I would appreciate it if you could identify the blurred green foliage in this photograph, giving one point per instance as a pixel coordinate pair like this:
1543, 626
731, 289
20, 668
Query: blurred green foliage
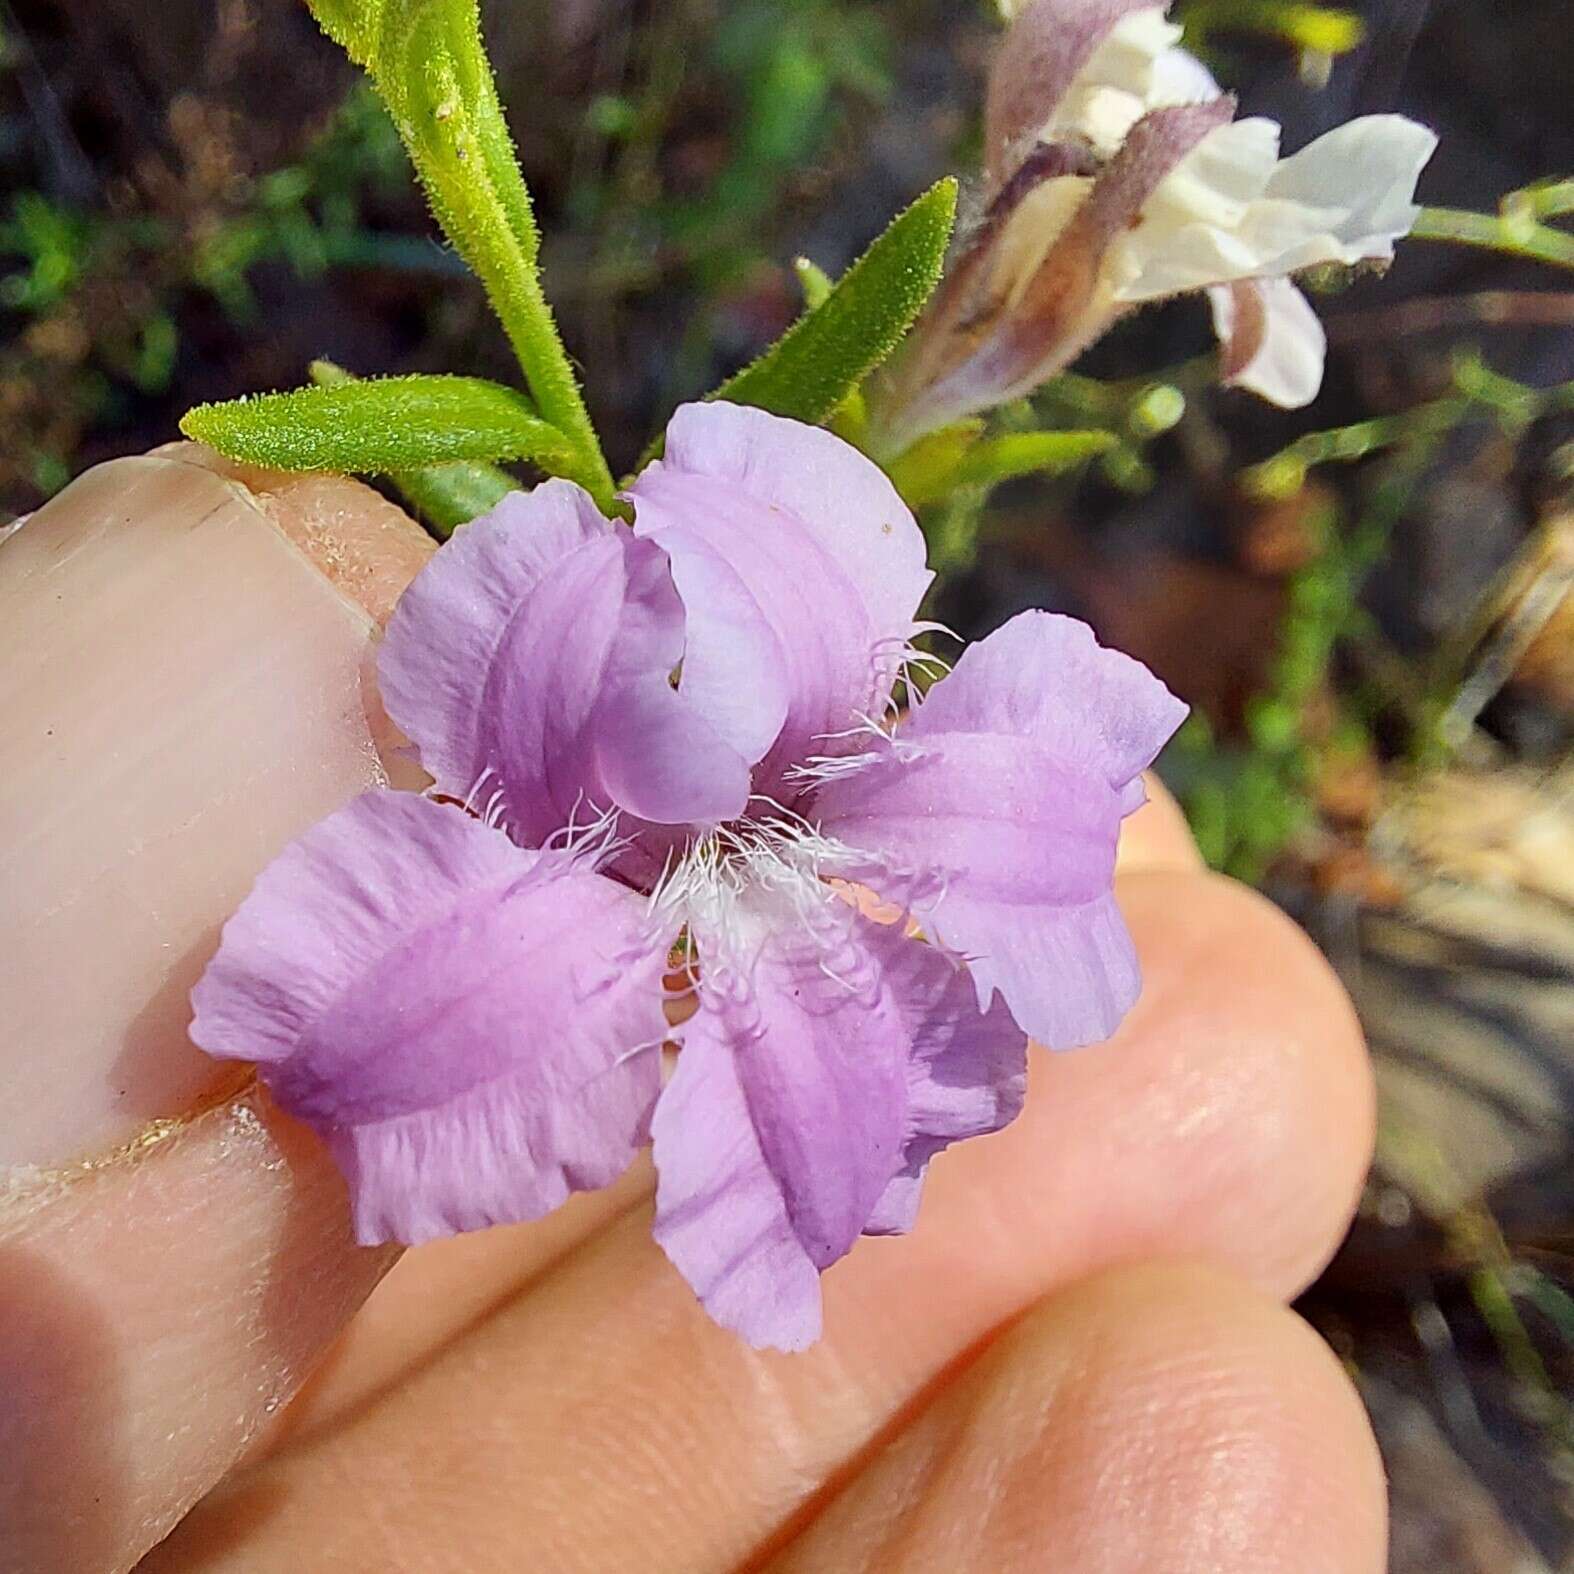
1247, 799
785, 70
96, 295
310, 215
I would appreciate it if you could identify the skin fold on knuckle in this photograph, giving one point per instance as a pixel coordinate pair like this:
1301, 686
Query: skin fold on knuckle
158, 1309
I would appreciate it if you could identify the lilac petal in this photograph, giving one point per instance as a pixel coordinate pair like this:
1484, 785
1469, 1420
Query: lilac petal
474, 1028
1003, 814
1069, 974
967, 1070
719, 1214
529, 664
787, 1116
801, 572
661, 762
1046, 677
1271, 341
1014, 851
843, 499
736, 671
1007, 790
810, 684
446, 633
897, 1210
657, 756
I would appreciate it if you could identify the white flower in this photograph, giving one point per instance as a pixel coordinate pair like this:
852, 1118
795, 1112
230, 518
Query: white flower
1232, 209
1117, 174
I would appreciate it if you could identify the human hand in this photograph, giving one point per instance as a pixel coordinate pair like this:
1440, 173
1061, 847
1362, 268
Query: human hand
1079, 1361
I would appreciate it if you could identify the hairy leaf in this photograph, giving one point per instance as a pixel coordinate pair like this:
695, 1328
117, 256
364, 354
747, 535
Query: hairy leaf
378, 426
446, 495
824, 356
450, 495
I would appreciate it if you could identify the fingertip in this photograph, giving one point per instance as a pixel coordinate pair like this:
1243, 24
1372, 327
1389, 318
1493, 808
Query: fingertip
1157, 835
366, 547
1247, 1037
186, 688
1241, 1443
1165, 1418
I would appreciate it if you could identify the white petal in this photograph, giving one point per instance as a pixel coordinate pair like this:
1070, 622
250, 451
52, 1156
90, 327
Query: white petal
1180, 78
1136, 68
1388, 151
1273, 342
1230, 210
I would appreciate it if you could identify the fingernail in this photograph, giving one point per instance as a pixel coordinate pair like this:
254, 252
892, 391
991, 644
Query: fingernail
185, 677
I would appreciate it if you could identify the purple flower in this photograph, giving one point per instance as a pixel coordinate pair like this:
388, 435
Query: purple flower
668, 738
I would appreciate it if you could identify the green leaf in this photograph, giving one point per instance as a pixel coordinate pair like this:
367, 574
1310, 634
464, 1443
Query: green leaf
824, 356
446, 495
926, 472
954, 459
379, 426
1030, 453
427, 61
450, 495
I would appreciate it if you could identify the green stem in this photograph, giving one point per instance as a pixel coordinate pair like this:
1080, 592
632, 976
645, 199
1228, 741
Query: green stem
1546, 201
1284, 473
1520, 1355
427, 61
1511, 233
1479, 389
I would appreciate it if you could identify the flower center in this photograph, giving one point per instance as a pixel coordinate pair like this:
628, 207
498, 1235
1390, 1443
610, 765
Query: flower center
735, 887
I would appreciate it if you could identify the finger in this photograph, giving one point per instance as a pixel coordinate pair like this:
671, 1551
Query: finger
1157, 836
153, 1314
438, 1292
1229, 1119
1149, 1421
184, 691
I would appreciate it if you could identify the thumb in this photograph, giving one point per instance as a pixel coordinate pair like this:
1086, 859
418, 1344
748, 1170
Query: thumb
185, 665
